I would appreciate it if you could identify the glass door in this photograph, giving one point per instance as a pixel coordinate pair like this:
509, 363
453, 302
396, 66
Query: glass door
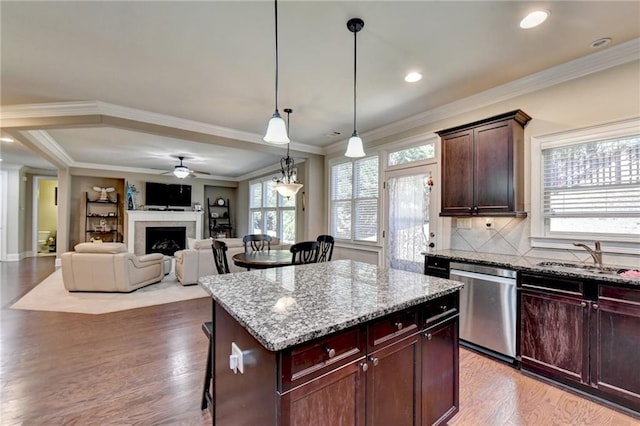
410, 225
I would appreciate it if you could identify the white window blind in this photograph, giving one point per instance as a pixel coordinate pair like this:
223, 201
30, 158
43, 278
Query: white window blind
595, 179
354, 200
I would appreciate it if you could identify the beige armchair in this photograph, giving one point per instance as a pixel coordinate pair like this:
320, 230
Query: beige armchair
108, 267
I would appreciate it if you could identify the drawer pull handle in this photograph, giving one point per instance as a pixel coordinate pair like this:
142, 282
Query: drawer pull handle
428, 336
594, 306
399, 325
583, 304
330, 352
374, 360
364, 366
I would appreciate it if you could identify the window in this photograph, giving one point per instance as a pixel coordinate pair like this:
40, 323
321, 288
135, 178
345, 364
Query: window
409, 155
270, 213
589, 183
354, 200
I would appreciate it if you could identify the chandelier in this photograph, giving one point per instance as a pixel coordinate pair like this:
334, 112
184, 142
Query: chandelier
286, 185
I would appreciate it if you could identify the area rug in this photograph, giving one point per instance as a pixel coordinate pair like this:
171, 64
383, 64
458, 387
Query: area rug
50, 295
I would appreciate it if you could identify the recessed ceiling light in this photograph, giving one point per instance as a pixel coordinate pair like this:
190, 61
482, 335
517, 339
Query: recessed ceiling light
3, 139
412, 77
534, 19
601, 42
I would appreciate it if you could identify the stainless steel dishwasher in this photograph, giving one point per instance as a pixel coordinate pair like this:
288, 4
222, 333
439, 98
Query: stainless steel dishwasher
487, 308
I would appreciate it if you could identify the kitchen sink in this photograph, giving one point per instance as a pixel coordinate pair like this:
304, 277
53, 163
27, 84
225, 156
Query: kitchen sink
580, 268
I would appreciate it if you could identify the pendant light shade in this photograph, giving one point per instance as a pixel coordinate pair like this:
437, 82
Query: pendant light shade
276, 130
354, 146
287, 185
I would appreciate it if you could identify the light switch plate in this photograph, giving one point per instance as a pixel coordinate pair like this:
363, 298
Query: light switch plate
463, 223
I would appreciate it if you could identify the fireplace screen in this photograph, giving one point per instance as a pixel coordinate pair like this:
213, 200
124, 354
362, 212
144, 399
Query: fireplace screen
165, 239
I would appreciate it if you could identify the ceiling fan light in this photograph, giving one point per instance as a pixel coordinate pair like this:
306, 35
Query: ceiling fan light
276, 131
181, 172
288, 189
354, 147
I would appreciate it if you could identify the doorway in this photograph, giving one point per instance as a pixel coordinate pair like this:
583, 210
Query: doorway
411, 225
45, 215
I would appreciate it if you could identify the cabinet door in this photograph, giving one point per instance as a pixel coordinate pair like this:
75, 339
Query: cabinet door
493, 183
457, 173
336, 398
553, 335
393, 384
614, 351
440, 378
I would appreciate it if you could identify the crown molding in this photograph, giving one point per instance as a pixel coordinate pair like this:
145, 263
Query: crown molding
81, 108
112, 168
590, 64
44, 141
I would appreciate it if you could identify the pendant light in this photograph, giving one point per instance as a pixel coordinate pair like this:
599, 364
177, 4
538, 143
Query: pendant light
354, 146
276, 130
287, 185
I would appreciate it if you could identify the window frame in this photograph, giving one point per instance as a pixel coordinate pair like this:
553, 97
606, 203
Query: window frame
540, 236
279, 209
378, 198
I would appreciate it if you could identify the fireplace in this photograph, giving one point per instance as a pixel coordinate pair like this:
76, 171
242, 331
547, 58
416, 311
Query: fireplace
165, 239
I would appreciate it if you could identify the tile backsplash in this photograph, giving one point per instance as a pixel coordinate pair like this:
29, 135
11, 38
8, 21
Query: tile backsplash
509, 235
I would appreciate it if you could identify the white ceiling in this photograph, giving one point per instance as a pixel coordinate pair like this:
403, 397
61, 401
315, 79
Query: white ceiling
212, 62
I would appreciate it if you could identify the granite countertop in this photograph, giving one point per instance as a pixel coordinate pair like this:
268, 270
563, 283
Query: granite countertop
283, 307
531, 264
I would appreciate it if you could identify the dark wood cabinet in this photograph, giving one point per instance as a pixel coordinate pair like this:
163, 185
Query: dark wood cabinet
615, 328
389, 371
440, 376
583, 334
333, 399
483, 167
436, 267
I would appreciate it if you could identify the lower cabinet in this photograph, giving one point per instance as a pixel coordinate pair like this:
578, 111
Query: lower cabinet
582, 333
407, 376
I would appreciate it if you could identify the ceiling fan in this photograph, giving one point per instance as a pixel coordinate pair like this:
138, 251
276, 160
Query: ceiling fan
181, 171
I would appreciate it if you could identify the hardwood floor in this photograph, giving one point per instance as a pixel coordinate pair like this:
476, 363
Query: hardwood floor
146, 366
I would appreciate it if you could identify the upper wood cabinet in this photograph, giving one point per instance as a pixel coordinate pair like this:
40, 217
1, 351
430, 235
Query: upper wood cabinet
482, 167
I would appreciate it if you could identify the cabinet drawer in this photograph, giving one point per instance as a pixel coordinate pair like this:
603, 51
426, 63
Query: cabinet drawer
566, 286
308, 361
437, 264
393, 327
440, 309
619, 294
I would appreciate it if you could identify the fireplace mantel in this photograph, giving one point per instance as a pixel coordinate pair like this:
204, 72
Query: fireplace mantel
145, 217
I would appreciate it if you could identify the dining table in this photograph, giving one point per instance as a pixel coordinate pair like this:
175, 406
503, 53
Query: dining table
263, 259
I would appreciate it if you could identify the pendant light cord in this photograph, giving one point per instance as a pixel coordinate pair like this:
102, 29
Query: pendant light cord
276, 15
355, 53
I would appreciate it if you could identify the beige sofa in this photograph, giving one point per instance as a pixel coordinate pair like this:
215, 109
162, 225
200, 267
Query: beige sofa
197, 260
109, 267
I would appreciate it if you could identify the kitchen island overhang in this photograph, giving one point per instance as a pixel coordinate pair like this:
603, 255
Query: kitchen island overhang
307, 331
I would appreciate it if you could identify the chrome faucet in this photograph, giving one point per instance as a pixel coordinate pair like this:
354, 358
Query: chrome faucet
595, 254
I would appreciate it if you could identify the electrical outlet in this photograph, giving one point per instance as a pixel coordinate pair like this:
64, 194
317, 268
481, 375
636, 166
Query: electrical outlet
236, 360
463, 223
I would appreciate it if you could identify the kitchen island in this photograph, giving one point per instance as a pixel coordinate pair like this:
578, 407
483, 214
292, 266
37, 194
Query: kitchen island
339, 342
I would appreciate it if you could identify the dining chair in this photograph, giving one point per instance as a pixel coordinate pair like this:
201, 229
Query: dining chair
256, 242
304, 252
220, 256
326, 248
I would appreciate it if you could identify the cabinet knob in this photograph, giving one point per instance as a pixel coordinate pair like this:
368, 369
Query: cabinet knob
583, 304
594, 306
444, 308
374, 360
330, 352
364, 366
399, 325
428, 336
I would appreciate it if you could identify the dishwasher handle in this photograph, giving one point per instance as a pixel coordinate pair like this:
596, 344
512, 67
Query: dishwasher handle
484, 277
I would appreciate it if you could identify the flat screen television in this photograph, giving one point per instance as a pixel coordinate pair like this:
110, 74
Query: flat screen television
167, 194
